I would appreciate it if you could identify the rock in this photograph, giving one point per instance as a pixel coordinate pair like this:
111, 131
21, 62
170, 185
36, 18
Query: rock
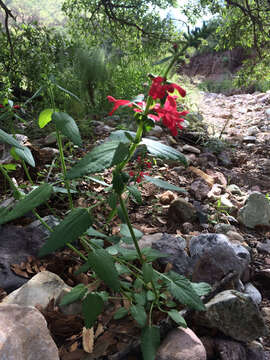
207, 159
148, 240
157, 131
230, 350
24, 335
181, 211
191, 158
226, 203
223, 228
264, 247
112, 120
224, 159
17, 243
234, 189
199, 189
48, 153
235, 315
103, 129
215, 192
233, 235
191, 149
267, 114
256, 211
181, 344
255, 351
253, 130
167, 197
50, 139
187, 227
253, 293
174, 246
214, 256
249, 139
50, 220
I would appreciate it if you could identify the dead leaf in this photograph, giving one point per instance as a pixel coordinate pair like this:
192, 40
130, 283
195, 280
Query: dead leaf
168, 267
207, 178
167, 197
88, 340
99, 330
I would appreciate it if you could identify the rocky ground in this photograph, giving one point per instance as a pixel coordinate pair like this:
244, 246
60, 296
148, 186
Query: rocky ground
218, 231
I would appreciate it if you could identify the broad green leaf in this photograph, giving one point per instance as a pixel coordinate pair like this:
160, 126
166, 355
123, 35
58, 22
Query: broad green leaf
150, 295
67, 126
201, 288
8, 139
150, 341
45, 117
120, 154
26, 155
148, 272
97, 180
74, 225
163, 60
96, 160
126, 236
10, 167
112, 200
128, 254
62, 190
140, 298
103, 265
120, 313
122, 269
68, 92
92, 232
77, 293
182, 290
174, 314
152, 254
92, 306
30, 202
104, 295
163, 184
135, 193
138, 313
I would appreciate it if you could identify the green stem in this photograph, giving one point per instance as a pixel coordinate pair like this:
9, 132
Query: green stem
174, 60
16, 192
27, 172
150, 314
64, 169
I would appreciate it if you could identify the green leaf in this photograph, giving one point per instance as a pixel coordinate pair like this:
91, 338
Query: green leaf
120, 154
68, 92
92, 232
138, 313
201, 288
148, 272
75, 294
128, 254
92, 306
30, 202
8, 139
26, 155
126, 236
163, 60
152, 254
74, 225
45, 117
135, 193
118, 183
97, 180
67, 126
120, 313
182, 290
112, 201
103, 265
140, 298
174, 314
34, 96
163, 184
96, 160
150, 295
150, 341
10, 167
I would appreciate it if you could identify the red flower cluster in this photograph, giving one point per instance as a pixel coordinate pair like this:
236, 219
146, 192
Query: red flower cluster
159, 88
142, 163
15, 107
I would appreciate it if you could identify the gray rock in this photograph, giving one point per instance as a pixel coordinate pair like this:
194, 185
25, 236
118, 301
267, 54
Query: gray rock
207, 159
224, 159
233, 235
264, 247
223, 228
24, 335
253, 130
235, 315
234, 189
181, 344
253, 293
181, 211
249, 139
199, 189
157, 131
50, 220
267, 114
174, 246
256, 211
50, 139
191, 149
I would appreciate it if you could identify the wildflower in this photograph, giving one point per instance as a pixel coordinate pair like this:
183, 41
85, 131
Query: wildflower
131, 173
16, 107
118, 103
171, 118
2, 106
159, 90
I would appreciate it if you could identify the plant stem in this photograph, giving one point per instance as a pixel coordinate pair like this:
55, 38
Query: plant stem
27, 172
64, 169
16, 192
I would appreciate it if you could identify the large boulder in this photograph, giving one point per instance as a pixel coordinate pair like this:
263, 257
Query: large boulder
24, 335
256, 211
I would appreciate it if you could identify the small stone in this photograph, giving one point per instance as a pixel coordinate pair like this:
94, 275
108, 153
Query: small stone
256, 211
191, 149
24, 335
267, 114
249, 139
181, 344
224, 228
199, 189
234, 189
187, 227
167, 197
50, 139
181, 211
48, 153
253, 293
225, 202
264, 247
157, 131
207, 159
233, 235
253, 130
224, 159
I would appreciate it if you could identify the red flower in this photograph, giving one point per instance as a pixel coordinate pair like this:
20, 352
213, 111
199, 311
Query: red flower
158, 89
131, 173
171, 118
118, 103
16, 107
1, 106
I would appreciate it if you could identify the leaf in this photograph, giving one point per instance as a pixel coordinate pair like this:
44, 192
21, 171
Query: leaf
45, 117
34, 96
150, 341
75, 294
174, 314
163, 184
124, 231
120, 154
140, 298
148, 272
92, 232
26, 155
30, 202
74, 225
138, 313
68, 127
8, 139
10, 167
152, 254
150, 295
88, 340
163, 60
120, 313
97, 180
128, 254
68, 92
96, 160
103, 265
182, 290
135, 193
92, 306
201, 288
